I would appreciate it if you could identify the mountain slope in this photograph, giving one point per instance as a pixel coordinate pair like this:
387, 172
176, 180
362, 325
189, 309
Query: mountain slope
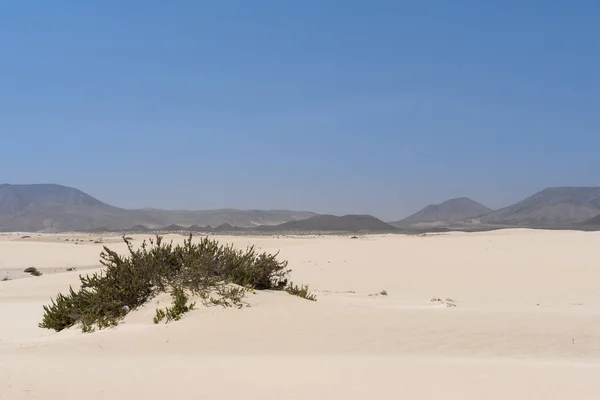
593, 221
347, 223
449, 211
558, 206
18, 198
59, 208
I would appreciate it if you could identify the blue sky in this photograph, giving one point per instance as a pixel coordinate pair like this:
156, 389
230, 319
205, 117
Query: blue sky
374, 107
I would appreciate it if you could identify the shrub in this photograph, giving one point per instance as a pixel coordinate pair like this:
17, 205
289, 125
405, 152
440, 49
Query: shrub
383, 293
205, 269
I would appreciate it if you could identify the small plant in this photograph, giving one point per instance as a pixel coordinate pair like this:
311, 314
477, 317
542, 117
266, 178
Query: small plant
383, 293
71, 269
160, 315
178, 308
32, 271
25, 237
300, 291
6, 278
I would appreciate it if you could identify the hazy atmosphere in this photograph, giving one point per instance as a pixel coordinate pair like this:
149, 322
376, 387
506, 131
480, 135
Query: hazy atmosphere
328, 106
276, 200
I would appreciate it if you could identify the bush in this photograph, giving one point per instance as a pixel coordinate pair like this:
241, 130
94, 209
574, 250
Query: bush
205, 269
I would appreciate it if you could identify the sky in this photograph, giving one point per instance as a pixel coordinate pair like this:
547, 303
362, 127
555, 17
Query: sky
378, 107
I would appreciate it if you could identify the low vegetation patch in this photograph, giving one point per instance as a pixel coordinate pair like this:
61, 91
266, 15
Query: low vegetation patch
217, 274
33, 271
301, 291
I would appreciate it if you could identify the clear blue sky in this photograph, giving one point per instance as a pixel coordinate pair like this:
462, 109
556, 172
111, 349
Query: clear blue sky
347, 106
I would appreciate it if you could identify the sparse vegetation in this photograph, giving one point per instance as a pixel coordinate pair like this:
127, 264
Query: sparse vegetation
382, 293
6, 278
216, 274
448, 302
301, 291
32, 271
178, 308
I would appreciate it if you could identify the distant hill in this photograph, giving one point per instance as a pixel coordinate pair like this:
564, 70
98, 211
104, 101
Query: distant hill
56, 208
552, 207
19, 198
449, 211
346, 223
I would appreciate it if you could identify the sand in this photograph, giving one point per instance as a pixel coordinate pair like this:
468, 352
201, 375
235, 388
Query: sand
518, 317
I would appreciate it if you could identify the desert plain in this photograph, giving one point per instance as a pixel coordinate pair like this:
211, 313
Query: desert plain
508, 314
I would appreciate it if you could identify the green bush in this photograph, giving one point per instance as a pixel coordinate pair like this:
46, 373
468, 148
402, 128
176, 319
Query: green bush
205, 269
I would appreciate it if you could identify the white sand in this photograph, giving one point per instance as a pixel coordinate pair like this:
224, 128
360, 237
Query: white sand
526, 324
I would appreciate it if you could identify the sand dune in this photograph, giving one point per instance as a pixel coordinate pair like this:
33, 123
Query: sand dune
518, 318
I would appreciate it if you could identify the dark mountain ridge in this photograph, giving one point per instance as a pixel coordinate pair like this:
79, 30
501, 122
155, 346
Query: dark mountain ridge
56, 208
551, 207
452, 210
19, 198
346, 223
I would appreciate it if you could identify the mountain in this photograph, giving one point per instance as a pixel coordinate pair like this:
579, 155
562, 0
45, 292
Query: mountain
18, 198
56, 208
593, 221
453, 210
551, 207
346, 223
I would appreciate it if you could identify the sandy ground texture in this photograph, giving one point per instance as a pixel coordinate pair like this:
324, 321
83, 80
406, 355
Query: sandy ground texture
512, 314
